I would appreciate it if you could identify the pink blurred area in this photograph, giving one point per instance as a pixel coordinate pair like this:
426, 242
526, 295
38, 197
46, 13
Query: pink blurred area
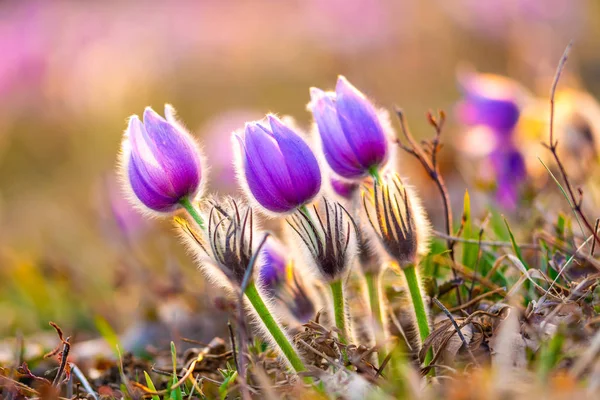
72, 72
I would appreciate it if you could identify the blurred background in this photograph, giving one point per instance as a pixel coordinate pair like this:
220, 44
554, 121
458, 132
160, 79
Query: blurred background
72, 251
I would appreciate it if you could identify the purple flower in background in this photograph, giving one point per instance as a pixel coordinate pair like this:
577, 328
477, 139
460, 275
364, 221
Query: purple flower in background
273, 266
352, 136
509, 166
160, 161
277, 167
489, 100
343, 188
492, 104
277, 277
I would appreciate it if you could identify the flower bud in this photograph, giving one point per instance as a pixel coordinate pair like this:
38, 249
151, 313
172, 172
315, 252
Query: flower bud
276, 166
328, 235
278, 278
225, 249
160, 162
344, 189
273, 265
395, 213
352, 135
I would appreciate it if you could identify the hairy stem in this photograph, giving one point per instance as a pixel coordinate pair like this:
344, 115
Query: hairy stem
282, 341
189, 207
416, 296
373, 287
339, 309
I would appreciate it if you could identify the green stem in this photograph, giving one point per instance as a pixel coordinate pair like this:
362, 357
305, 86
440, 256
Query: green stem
339, 309
414, 288
374, 172
282, 341
189, 207
373, 282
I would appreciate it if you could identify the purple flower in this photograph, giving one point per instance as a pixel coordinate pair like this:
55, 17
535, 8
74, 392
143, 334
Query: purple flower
509, 167
344, 189
160, 161
277, 167
273, 266
490, 100
352, 136
278, 278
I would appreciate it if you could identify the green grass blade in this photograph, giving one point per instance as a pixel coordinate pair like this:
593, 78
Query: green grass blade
566, 196
176, 394
150, 385
469, 250
107, 333
516, 247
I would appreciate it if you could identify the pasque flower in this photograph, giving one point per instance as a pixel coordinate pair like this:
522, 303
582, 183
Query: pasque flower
328, 235
352, 136
160, 162
276, 166
490, 100
279, 279
225, 251
399, 221
492, 105
344, 189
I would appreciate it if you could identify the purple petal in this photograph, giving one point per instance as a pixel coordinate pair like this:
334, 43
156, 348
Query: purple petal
174, 152
489, 100
265, 170
510, 171
501, 115
302, 165
144, 159
145, 190
273, 265
344, 189
337, 151
361, 126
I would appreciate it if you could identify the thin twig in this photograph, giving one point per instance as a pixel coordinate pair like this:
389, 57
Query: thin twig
432, 168
63, 362
232, 340
553, 145
594, 242
458, 331
334, 363
477, 299
385, 361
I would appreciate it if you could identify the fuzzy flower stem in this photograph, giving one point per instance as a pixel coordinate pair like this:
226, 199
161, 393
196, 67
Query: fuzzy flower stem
416, 296
282, 341
189, 207
339, 309
373, 287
